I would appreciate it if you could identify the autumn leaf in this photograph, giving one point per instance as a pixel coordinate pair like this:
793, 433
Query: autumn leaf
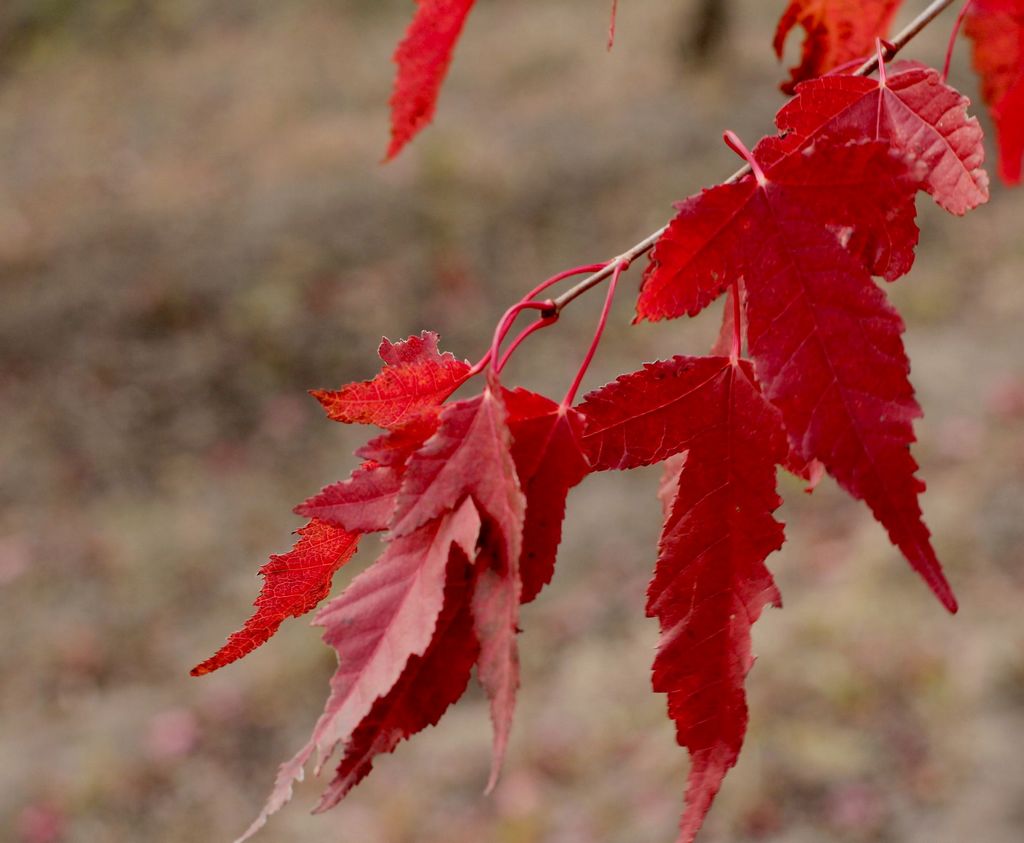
404, 397
423, 57
997, 29
857, 191
470, 455
458, 499
387, 615
428, 685
826, 344
645, 417
914, 111
294, 583
415, 378
711, 584
837, 32
362, 503
366, 500
838, 372
548, 453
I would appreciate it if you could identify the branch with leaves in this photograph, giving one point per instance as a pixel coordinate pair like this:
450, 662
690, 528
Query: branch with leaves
809, 374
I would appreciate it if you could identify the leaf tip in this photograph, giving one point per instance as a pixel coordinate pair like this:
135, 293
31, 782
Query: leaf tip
215, 662
395, 146
321, 395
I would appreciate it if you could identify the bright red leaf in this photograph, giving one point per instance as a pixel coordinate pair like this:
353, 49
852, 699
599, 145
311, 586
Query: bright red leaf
836, 368
837, 32
387, 615
416, 377
826, 343
363, 503
495, 609
459, 500
429, 684
648, 416
366, 500
858, 191
393, 449
423, 57
911, 109
469, 455
404, 397
548, 453
293, 584
997, 29
711, 583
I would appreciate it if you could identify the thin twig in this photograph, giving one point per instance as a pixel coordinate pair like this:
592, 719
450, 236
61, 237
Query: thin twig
906, 35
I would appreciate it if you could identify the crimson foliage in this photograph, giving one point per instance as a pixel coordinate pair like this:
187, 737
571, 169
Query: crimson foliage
809, 374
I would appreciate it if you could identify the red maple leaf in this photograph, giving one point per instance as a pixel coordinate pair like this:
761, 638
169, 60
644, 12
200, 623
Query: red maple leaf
428, 685
423, 57
459, 499
838, 31
729, 336
826, 344
393, 449
710, 584
294, 583
858, 191
416, 377
405, 396
363, 503
432, 682
366, 500
469, 455
645, 417
387, 615
548, 453
997, 29
912, 109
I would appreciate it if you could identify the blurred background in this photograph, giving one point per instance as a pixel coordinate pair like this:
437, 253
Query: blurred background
195, 229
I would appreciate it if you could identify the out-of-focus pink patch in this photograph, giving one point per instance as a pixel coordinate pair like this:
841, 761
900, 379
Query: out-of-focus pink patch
856, 808
961, 438
1006, 399
14, 559
223, 704
172, 734
41, 822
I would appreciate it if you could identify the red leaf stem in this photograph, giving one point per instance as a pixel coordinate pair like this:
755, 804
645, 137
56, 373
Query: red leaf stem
570, 396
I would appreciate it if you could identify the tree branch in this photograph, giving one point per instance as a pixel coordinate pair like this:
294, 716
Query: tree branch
905, 36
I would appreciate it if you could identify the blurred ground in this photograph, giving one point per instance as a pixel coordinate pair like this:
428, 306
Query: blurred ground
194, 230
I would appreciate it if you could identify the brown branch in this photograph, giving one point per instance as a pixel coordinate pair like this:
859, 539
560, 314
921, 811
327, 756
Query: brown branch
906, 35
